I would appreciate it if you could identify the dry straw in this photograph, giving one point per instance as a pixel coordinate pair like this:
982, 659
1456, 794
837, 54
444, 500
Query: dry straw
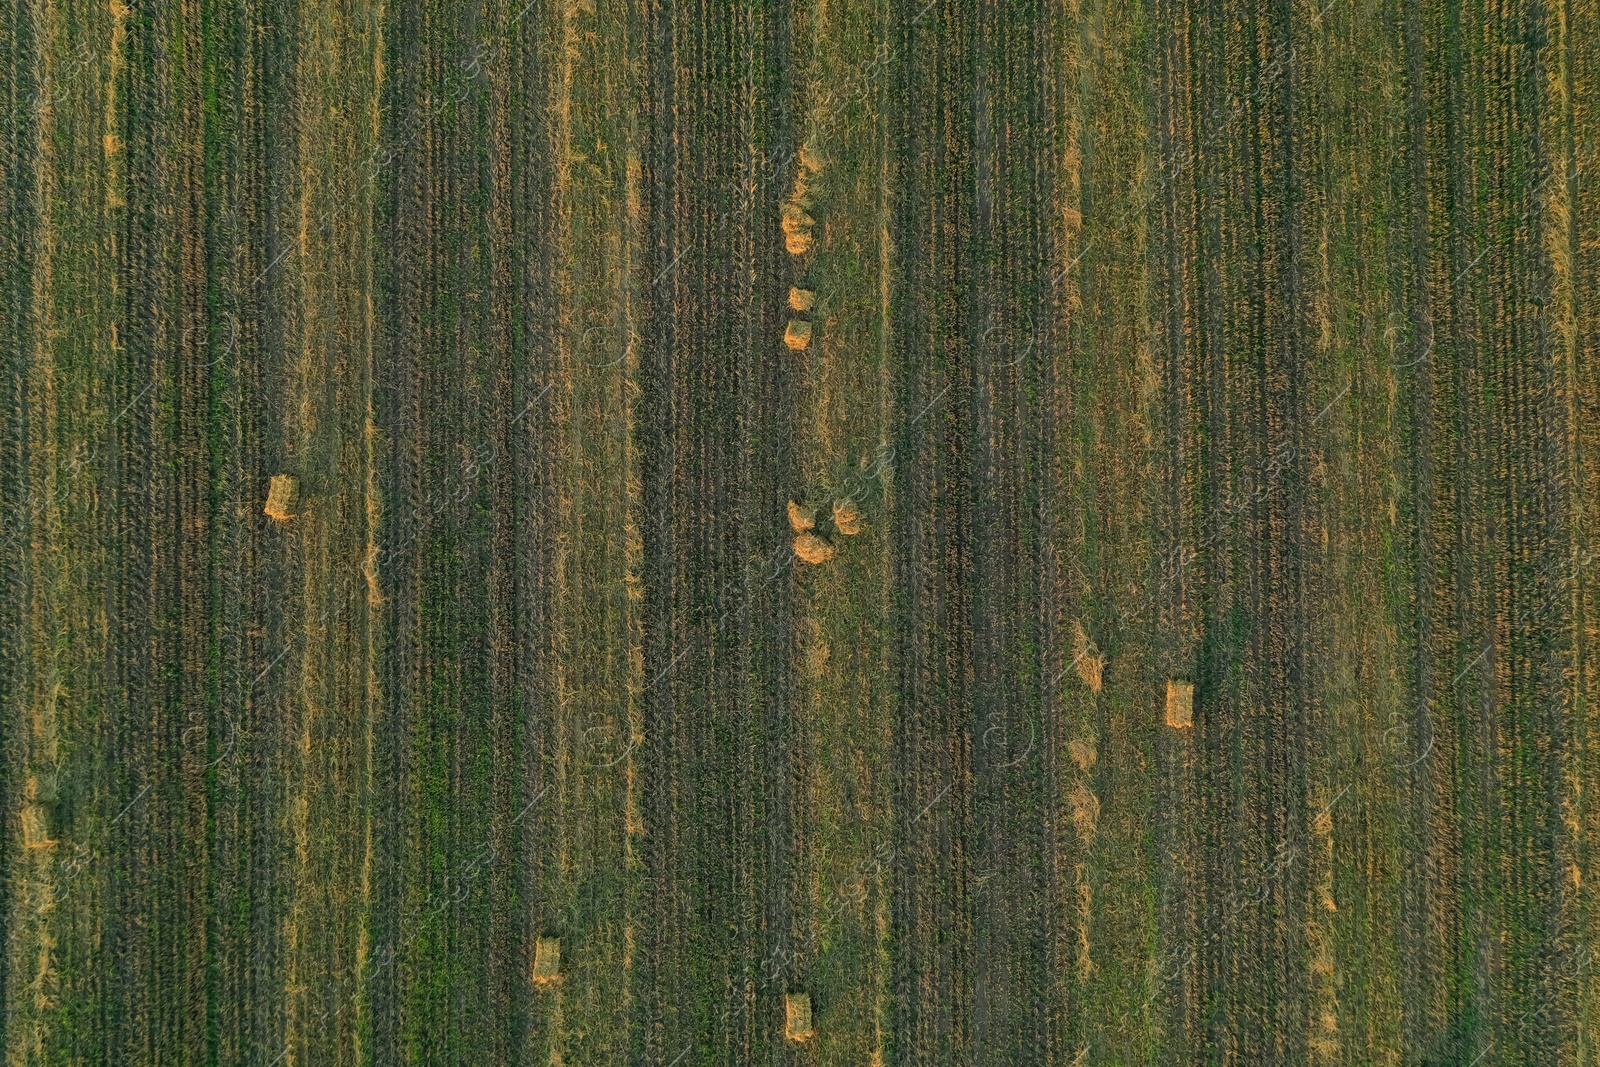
798, 334
812, 549
280, 498
1180, 704
797, 1017
1088, 658
547, 960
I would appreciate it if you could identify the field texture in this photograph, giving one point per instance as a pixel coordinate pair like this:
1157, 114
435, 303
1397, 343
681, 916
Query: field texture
963, 533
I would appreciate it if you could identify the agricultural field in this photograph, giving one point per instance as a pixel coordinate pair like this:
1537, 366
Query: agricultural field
943, 533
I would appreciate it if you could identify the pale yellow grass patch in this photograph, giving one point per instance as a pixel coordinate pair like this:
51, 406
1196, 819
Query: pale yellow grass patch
1085, 811
1086, 655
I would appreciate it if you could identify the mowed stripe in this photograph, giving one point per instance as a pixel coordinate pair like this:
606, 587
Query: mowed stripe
930, 613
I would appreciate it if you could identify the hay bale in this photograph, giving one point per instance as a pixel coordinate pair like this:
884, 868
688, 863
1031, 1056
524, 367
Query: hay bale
795, 219
1180, 704
547, 959
801, 519
812, 549
801, 299
847, 517
281, 498
796, 223
797, 1024
798, 335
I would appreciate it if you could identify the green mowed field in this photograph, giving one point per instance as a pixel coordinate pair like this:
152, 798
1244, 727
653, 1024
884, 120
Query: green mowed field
812, 532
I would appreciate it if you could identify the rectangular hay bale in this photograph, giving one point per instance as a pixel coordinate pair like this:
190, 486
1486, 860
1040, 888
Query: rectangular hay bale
1180, 703
797, 1017
547, 959
797, 335
280, 498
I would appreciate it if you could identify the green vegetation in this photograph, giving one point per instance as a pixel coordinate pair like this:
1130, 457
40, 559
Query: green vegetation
1130, 605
